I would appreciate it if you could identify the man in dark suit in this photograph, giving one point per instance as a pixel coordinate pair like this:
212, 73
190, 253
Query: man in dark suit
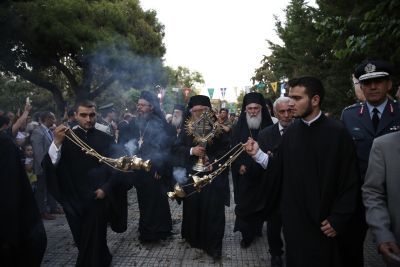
41, 139
268, 139
365, 121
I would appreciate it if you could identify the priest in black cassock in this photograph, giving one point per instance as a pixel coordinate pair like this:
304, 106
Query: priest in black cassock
203, 220
151, 139
177, 118
87, 190
246, 174
318, 179
22, 235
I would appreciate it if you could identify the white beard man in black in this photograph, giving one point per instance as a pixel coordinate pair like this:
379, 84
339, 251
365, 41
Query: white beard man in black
176, 120
254, 122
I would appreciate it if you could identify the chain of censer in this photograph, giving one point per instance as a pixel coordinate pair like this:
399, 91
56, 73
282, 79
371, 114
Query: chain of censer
211, 176
111, 162
90, 151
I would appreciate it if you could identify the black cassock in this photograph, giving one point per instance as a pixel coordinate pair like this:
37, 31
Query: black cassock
319, 180
73, 182
22, 235
247, 221
203, 222
155, 221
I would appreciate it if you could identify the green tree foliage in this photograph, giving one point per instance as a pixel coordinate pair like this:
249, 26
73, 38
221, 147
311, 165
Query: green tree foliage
181, 77
14, 91
184, 77
329, 41
80, 48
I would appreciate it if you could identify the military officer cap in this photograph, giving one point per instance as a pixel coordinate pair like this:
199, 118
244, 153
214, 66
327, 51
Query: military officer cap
109, 107
106, 109
372, 69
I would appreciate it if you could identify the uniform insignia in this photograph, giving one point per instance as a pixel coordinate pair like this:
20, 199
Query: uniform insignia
370, 68
353, 106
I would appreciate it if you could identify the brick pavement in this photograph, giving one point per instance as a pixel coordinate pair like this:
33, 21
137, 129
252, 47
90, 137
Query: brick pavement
127, 251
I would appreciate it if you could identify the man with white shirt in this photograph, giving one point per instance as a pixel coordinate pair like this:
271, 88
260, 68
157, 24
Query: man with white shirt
315, 169
41, 138
86, 188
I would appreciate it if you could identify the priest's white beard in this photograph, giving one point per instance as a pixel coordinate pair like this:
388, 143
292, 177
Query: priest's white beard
254, 122
176, 120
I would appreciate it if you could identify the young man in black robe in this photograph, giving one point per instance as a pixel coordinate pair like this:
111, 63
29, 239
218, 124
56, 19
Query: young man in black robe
22, 235
246, 174
87, 189
318, 178
150, 139
203, 220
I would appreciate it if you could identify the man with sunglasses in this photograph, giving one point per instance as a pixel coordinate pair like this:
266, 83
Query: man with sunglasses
365, 121
87, 189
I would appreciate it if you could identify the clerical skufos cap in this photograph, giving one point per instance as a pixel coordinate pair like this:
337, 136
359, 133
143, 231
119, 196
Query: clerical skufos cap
372, 69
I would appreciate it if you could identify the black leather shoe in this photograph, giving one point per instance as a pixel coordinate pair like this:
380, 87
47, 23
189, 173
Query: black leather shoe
246, 242
276, 261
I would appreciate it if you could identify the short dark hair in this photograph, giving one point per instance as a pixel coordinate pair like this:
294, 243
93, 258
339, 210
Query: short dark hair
70, 112
224, 109
4, 120
84, 103
313, 86
44, 115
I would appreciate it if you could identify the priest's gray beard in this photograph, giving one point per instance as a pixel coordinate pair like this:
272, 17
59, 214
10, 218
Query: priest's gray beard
176, 120
254, 122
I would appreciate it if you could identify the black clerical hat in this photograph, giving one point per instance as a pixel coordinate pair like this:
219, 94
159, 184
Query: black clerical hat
154, 102
253, 97
179, 107
149, 97
372, 69
199, 100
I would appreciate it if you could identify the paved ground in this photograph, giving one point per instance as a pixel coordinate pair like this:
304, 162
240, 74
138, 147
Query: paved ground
127, 251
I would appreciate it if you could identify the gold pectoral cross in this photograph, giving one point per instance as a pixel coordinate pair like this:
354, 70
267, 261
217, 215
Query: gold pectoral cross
140, 142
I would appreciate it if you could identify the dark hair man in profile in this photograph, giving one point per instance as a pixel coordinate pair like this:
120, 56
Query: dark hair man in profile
318, 178
86, 188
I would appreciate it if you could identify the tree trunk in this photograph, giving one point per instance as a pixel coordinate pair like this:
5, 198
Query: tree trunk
82, 93
60, 103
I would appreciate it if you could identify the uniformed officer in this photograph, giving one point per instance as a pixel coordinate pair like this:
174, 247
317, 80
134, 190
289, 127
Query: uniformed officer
378, 115
365, 121
106, 122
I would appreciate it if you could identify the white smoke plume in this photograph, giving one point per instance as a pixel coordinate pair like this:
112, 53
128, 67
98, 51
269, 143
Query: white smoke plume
179, 174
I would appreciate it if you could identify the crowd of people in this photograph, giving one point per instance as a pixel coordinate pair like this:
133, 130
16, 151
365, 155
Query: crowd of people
319, 183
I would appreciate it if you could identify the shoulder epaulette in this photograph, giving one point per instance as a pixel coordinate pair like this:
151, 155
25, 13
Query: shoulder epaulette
355, 105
